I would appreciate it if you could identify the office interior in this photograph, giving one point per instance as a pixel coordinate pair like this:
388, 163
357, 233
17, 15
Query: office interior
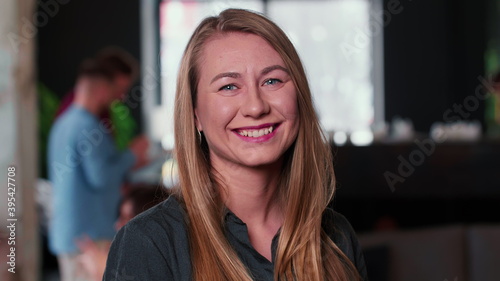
405, 92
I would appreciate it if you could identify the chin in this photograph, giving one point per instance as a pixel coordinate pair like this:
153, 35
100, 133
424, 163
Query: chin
259, 162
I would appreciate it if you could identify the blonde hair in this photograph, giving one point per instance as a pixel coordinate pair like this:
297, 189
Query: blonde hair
306, 185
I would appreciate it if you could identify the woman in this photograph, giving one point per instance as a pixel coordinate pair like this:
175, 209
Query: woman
255, 173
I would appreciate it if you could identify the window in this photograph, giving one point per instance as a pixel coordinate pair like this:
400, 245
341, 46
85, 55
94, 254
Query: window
332, 37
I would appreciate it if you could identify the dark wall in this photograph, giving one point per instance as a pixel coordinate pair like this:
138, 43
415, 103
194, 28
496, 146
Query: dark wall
418, 185
78, 29
434, 53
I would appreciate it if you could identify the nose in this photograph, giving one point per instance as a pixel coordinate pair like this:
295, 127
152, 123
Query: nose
254, 105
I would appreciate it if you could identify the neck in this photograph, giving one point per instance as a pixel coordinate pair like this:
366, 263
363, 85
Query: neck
84, 98
252, 193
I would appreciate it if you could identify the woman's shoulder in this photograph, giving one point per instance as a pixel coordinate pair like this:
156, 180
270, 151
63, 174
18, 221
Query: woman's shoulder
163, 224
152, 246
167, 215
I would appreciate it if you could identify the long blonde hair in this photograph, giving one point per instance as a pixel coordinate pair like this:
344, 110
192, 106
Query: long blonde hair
304, 252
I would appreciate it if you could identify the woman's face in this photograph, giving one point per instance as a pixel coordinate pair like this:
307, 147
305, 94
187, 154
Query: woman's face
246, 101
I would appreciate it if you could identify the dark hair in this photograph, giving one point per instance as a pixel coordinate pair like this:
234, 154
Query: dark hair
109, 63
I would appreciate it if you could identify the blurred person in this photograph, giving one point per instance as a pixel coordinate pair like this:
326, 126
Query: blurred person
84, 165
255, 171
121, 126
139, 199
115, 56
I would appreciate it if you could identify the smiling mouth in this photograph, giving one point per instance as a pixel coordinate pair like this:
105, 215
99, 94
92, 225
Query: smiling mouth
256, 133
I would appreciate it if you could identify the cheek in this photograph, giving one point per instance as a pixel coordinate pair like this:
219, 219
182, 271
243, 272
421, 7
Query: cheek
291, 108
291, 112
101, 93
108, 91
216, 112
287, 105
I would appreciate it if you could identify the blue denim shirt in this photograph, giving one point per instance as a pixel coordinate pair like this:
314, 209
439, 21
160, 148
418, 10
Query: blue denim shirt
86, 171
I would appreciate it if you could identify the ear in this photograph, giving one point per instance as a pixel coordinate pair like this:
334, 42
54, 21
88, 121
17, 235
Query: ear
197, 121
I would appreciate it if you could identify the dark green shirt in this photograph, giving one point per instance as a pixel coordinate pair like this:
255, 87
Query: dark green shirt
154, 246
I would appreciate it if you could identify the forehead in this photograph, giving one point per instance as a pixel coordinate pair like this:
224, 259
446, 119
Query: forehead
238, 47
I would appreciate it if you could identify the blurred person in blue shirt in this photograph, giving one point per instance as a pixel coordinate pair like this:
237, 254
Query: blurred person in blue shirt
85, 166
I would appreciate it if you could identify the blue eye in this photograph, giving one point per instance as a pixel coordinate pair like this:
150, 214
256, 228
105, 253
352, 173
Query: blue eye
272, 81
229, 87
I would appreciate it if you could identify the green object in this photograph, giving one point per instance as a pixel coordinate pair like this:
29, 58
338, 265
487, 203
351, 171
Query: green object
124, 124
48, 103
492, 57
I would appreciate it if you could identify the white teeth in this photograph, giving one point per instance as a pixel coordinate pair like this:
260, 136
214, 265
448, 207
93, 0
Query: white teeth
256, 133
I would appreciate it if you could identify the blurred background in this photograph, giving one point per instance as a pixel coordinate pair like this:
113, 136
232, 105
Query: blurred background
407, 92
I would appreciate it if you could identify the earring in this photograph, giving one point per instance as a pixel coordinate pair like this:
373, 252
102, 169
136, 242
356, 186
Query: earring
199, 135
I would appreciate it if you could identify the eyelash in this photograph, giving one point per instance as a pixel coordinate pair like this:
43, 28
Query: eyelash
225, 87
230, 87
272, 80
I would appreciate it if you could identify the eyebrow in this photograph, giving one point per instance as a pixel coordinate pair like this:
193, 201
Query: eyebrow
225, 74
271, 68
265, 71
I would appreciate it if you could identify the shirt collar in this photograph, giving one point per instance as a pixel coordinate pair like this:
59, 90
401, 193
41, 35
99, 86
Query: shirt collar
237, 228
